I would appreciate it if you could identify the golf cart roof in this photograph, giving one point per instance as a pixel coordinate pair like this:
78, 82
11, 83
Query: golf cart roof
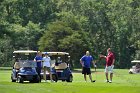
25, 51
135, 61
56, 53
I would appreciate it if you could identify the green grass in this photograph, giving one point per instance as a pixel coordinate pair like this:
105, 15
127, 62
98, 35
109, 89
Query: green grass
122, 83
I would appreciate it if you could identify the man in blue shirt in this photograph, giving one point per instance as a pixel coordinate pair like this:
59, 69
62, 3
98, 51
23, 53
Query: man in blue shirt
38, 60
86, 61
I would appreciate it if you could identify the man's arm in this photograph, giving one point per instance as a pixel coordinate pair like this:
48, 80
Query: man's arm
37, 60
102, 56
81, 63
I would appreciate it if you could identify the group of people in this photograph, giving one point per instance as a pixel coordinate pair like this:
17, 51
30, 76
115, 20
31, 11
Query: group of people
45, 63
87, 59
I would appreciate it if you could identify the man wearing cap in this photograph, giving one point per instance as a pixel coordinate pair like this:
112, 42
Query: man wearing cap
47, 66
86, 61
110, 59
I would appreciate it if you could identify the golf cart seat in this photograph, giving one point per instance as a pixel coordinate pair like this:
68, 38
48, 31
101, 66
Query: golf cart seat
17, 65
61, 66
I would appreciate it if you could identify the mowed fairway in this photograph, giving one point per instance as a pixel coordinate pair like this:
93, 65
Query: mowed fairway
122, 83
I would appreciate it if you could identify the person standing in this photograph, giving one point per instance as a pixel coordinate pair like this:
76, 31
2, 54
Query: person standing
110, 59
38, 59
86, 61
95, 66
47, 66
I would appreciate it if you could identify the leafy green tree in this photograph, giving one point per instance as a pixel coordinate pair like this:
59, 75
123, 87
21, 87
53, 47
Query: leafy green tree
61, 37
5, 51
73, 26
26, 37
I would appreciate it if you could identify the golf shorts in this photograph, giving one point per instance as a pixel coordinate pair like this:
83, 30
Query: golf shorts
109, 69
47, 69
86, 71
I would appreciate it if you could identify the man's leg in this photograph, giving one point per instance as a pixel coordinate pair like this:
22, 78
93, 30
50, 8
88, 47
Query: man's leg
37, 70
39, 73
85, 77
111, 73
90, 77
44, 75
111, 76
49, 70
51, 77
84, 72
106, 74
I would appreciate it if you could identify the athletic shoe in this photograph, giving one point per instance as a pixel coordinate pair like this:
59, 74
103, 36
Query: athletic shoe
93, 81
52, 81
107, 81
110, 81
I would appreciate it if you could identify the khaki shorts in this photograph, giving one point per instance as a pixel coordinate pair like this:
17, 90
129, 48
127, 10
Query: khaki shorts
109, 69
47, 69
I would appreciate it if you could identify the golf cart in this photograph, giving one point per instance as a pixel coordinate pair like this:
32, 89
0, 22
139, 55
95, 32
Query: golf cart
136, 68
60, 69
24, 67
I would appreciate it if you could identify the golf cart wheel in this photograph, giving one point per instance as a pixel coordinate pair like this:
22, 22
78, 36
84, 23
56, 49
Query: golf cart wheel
70, 79
54, 77
12, 78
130, 72
63, 80
20, 79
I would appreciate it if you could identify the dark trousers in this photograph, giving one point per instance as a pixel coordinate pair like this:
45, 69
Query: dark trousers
38, 70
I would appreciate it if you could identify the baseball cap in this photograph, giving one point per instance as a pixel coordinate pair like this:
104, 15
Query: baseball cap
46, 53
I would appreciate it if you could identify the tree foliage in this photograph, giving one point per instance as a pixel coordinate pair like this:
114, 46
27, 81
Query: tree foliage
73, 26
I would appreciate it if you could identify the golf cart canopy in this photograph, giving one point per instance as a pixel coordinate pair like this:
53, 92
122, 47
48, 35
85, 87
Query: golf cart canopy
25, 51
56, 53
135, 61
24, 54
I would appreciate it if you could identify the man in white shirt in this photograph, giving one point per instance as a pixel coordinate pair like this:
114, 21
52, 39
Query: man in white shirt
47, 66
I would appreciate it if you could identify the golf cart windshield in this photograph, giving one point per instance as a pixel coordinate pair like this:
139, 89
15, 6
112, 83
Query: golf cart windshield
27, 63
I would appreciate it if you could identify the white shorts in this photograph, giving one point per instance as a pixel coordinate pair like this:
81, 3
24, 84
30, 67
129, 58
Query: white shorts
109, 69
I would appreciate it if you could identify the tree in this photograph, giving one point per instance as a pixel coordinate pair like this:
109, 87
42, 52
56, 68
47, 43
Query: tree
5, 51
29, 34
61, 37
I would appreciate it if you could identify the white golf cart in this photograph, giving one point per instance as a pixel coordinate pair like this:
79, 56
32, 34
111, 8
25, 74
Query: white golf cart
136, 68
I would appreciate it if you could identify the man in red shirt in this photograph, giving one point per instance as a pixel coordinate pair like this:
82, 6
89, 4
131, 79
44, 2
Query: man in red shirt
110, 59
